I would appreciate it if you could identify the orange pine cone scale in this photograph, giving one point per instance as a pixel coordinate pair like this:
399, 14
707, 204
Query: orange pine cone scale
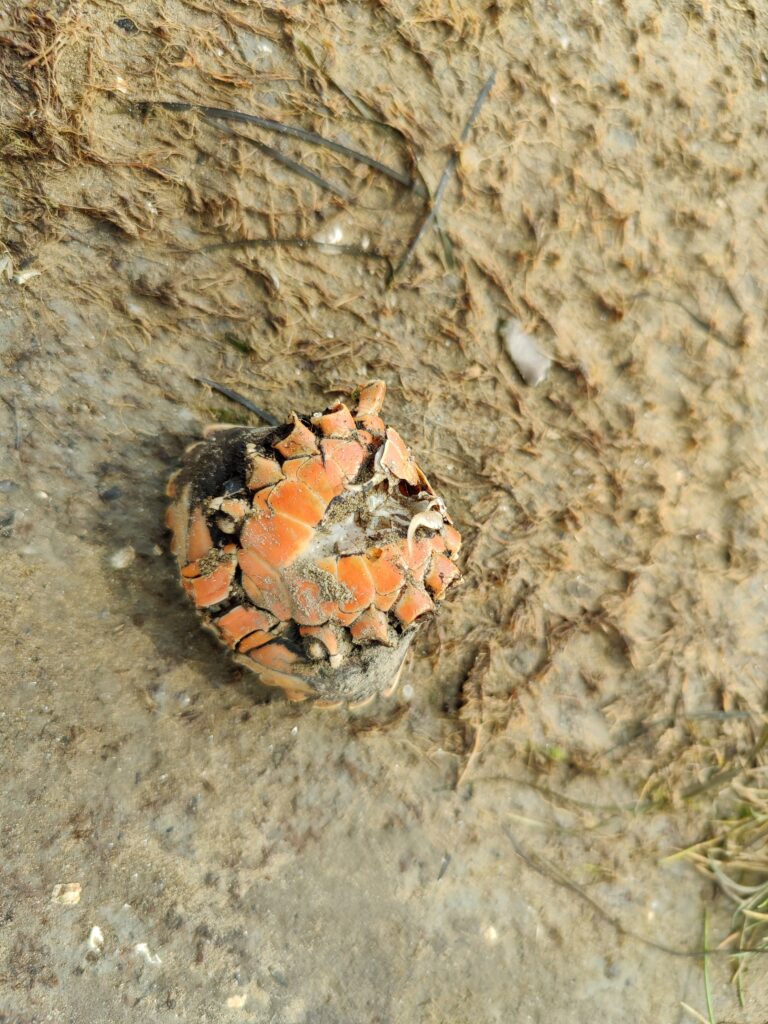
315, 549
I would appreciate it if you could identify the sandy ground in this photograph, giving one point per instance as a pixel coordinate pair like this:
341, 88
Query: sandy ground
491, 846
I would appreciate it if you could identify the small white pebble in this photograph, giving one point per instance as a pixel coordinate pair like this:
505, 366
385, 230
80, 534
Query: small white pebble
490, 935
42, 495
295, 731
408, 692
157, 550
96, 939
236, 1002
142, 949
531, 363
122, 558
67, 893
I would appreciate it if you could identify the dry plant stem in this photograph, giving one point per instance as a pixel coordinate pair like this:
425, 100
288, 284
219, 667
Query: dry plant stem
268, 124
447, 175
721, 778
241, 399
735, 859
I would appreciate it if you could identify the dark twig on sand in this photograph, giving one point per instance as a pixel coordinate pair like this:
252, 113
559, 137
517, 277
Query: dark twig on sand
11, 403
447, 175
290, 164
270, 125
550, 870
240, 399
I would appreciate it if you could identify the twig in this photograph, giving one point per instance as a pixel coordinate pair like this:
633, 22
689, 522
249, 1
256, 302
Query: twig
549, 870
448, 172
241, 399
694, 1013
11, 403
267, 123
373, 116
290, 164
636, 730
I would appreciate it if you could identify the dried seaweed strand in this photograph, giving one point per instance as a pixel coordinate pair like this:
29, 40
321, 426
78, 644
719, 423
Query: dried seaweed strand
241, 399
270, 125
448, 172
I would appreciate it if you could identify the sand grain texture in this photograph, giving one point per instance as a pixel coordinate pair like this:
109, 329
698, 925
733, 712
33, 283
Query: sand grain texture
241, 859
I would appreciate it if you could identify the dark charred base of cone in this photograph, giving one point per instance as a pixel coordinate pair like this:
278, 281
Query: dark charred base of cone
367, 673
217, 466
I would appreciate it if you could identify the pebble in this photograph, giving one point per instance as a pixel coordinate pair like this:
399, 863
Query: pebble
7, 519
67, 893
122, 558
127, 25
111, 494
531, 363
142, 949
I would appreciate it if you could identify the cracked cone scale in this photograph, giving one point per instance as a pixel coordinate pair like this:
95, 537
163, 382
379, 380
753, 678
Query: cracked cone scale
314, 549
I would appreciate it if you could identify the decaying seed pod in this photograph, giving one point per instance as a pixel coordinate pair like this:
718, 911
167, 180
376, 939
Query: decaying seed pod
313, 549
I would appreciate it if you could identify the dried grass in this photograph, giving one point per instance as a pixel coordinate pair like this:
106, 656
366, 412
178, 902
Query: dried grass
735, 857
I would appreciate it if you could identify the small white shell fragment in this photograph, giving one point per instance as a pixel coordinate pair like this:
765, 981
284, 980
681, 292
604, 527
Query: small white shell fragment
490, 935
431, 520
122, 558
332, 235
96, 939
142, 949
236, 1002
25, 275
67, 893
530, 362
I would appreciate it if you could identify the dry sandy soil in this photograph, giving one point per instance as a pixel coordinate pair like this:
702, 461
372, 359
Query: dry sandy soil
490, 847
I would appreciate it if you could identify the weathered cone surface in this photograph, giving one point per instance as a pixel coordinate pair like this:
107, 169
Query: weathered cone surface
313, 549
